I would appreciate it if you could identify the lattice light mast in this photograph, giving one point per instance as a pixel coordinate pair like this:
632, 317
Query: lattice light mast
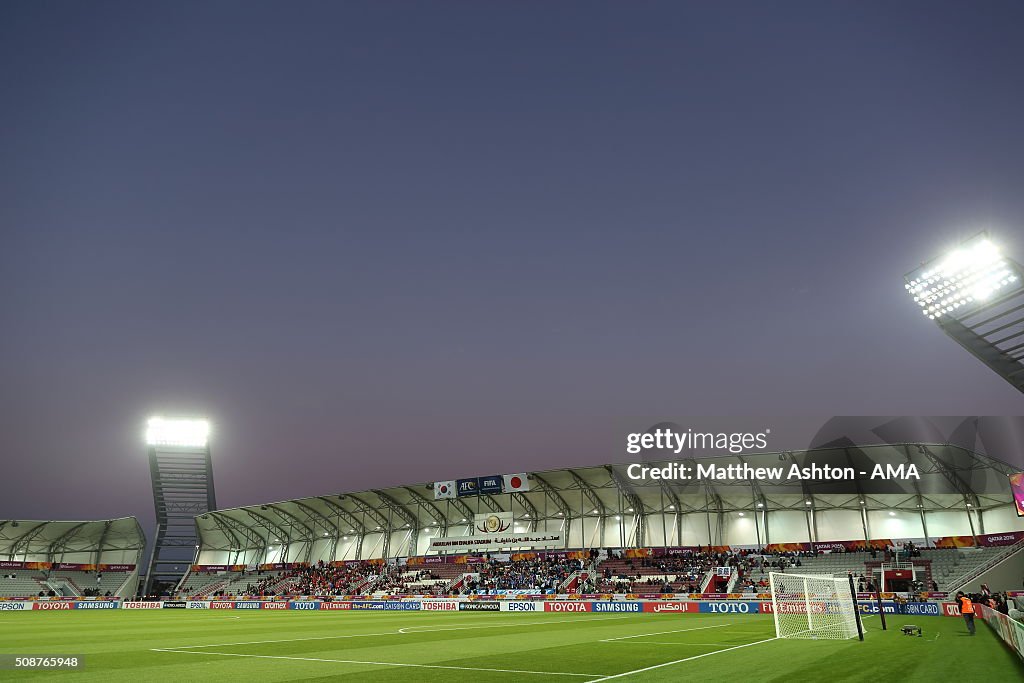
975, 294
182, 476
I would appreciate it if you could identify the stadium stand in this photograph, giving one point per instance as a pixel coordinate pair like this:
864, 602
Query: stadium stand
15, 583
70, 558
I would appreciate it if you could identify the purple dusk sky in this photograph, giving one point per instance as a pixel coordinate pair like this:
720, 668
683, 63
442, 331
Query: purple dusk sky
386, 242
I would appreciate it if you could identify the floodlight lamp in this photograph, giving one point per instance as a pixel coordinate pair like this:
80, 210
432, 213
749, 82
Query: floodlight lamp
973, 272
162, 431
742, 515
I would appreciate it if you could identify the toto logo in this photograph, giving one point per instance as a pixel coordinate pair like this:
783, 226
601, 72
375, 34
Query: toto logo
731, 607
295, 605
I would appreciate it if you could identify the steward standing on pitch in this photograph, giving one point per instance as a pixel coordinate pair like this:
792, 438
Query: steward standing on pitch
966, 609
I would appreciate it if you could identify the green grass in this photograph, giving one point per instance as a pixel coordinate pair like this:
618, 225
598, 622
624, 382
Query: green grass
122, 646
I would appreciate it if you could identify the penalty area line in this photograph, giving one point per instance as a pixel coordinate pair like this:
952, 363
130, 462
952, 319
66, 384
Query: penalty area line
400, 632
678, 661
367, 663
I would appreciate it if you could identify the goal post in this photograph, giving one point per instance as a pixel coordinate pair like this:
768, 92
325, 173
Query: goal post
813, 607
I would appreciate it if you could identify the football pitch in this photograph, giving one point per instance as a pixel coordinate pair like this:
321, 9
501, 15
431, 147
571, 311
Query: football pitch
203, 645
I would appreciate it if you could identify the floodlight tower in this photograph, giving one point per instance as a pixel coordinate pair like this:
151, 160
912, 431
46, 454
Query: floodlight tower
976, 296
182, 474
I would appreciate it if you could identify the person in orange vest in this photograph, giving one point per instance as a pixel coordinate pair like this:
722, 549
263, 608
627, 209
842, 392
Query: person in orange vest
967, 610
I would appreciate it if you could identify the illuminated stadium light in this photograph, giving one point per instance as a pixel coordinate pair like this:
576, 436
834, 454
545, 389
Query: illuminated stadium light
892, 514
973, 272
162, 431
807, 502
671, 507
760, 505
617, 518
742, 515
975, 294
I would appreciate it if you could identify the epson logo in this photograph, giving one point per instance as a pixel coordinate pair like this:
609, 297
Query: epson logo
11, 606
522, 607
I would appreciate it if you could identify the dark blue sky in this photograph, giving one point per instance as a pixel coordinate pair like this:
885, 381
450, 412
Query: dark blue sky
385, 242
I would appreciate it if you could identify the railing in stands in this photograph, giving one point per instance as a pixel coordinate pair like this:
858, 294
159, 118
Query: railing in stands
963, 580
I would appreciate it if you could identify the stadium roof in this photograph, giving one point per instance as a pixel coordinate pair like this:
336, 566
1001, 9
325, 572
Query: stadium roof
951, 478
51, 540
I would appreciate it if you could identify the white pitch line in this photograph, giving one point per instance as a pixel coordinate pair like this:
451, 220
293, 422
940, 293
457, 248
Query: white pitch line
660, 633
408, 629
402, 631
398, 664
663, 642
678, 661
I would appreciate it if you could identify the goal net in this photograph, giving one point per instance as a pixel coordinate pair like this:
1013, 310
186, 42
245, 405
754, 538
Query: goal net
812, 607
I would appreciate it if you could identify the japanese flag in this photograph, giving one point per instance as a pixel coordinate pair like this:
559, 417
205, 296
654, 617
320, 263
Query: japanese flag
444, 489
515, 482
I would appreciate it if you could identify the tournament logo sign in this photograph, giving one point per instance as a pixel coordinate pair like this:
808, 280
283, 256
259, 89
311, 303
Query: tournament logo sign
616, 607
466, 487
567, 606
480, 606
